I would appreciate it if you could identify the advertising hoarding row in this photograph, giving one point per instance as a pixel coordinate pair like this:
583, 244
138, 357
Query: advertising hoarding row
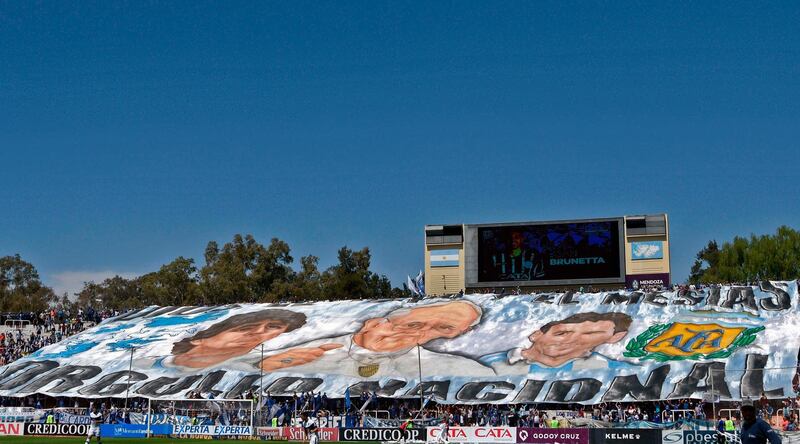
488, 435
499, 435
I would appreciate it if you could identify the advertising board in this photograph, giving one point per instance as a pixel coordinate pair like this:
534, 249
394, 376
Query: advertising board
382, 434
475, 434
270, 433
70, 418
625, 436
548, 436
647, 281
133, 430
11, 428
56, 429
298, 434
213, 430
689, 436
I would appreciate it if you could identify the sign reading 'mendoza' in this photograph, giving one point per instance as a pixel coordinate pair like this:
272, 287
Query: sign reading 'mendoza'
731, 342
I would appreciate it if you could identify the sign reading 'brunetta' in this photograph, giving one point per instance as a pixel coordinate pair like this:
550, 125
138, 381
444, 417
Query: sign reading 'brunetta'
643, 345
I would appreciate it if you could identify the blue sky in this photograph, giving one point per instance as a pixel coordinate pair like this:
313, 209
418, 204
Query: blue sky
132, 133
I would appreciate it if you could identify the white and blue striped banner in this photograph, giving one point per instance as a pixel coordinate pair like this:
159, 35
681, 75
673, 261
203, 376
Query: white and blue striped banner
444, 258
729, 342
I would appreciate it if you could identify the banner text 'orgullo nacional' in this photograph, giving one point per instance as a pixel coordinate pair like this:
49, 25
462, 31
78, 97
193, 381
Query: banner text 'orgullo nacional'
729, 342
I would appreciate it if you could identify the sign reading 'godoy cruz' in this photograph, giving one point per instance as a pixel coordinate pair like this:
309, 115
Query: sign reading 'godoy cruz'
549, 436
551, 347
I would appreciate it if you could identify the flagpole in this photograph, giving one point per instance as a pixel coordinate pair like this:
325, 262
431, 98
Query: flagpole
419, 362
128, 382
261, 387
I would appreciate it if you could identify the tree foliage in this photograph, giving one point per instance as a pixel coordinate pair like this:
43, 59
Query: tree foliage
20, 287
766, 257
242, 270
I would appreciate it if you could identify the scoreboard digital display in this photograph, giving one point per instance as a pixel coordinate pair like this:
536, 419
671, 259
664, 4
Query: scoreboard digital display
550, 252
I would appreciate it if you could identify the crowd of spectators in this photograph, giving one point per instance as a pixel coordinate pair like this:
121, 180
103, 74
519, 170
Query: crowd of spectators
783, 413
283, 411
511, 291
24, 333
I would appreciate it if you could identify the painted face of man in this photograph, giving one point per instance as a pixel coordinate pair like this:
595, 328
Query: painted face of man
563, 342
417, 326
243, 337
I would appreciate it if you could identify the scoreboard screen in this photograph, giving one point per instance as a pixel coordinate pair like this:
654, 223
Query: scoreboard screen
550, 252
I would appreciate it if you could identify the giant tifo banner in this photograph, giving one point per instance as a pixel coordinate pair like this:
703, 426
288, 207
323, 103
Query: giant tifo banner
729, 342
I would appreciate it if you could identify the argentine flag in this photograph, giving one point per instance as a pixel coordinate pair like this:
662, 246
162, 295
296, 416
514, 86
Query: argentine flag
444, 258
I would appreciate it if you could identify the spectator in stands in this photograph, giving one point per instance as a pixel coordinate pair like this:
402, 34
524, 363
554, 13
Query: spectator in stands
755, 430
44, 329
791, 423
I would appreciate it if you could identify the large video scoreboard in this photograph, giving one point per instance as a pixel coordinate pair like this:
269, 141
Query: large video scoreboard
544, 253
604, 253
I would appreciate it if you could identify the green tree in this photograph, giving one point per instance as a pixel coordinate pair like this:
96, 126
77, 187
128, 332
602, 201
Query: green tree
305, 285
115, 293
351, 278
243, 270
705, 263
20, 286
769, 257
175, 283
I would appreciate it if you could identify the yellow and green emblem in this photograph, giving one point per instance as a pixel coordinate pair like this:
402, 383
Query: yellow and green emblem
681, 341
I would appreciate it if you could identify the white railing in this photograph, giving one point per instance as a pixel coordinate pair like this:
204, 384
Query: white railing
676, 414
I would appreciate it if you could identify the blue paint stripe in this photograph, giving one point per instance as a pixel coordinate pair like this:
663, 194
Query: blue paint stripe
444, 263
443, 252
